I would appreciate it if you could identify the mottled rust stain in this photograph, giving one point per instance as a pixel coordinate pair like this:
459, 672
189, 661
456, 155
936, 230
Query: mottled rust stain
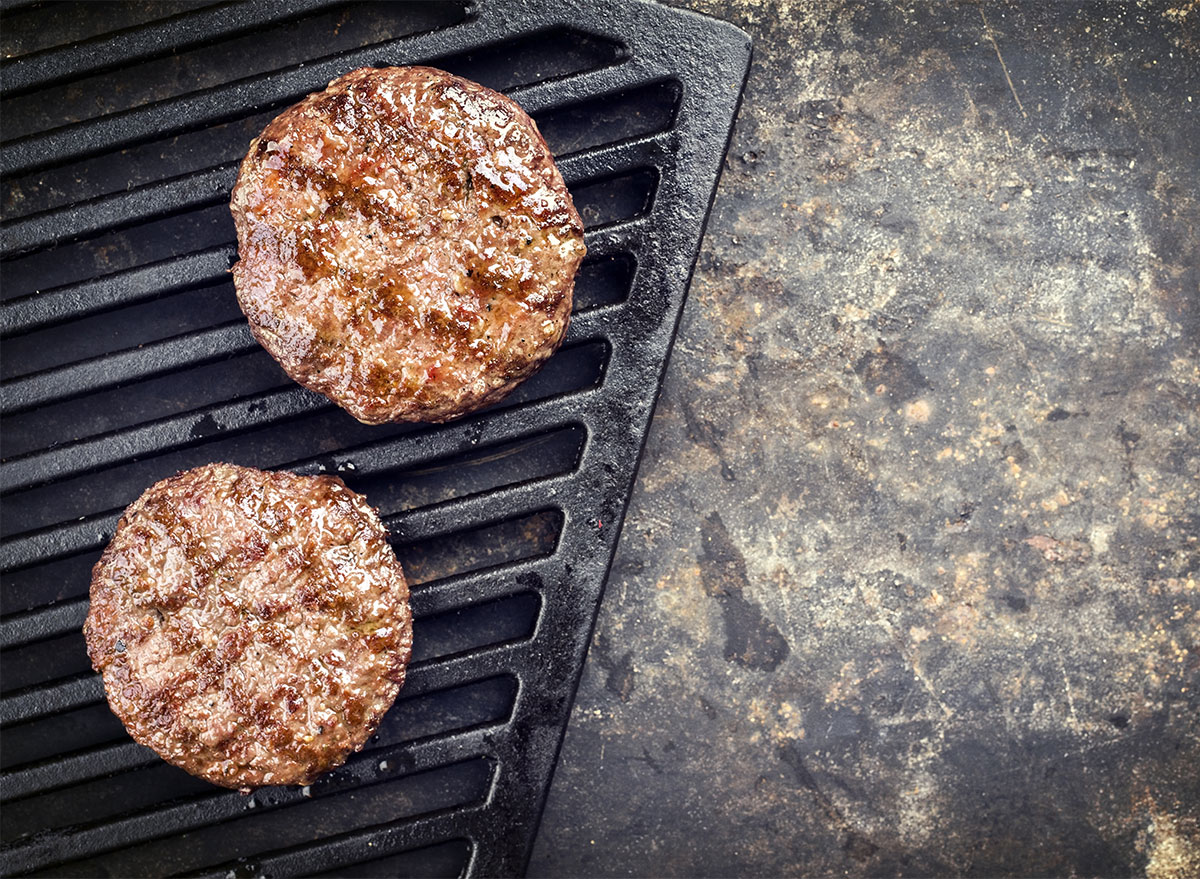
751, 640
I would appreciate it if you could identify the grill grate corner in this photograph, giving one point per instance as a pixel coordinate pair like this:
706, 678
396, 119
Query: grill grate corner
124, 364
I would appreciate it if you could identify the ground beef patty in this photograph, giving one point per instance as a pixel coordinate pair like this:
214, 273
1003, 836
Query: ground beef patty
406, 245
252, 628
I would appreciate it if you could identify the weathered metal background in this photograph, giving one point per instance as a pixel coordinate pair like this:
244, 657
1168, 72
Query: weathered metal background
909, 582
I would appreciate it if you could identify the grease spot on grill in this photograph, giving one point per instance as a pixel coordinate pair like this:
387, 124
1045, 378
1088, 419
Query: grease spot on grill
205, 427
243, 871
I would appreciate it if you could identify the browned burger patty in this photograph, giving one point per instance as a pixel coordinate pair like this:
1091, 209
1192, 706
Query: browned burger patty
407, 247
252, 628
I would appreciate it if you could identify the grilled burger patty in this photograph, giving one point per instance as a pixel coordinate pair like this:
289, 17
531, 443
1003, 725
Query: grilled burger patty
407, 246
252, 628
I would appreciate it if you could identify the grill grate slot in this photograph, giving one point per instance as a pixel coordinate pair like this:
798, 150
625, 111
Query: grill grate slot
402, 839
79, 181
57, 25
198, 190
46, 583
432, 862
42, 700
48, 660
484, 468
70, 770
127, 360
128, 365
94, 46
37, 310
579, 368
201, 310
202, 50
93, 399
496, 622
177, 234
53, 620
64, 733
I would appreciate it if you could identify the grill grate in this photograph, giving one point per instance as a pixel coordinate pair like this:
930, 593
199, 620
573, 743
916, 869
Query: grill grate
126, 362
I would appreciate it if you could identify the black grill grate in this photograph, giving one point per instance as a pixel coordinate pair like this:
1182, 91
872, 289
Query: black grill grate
125, 360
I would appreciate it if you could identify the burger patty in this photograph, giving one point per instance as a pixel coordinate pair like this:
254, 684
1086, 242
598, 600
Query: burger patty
406, 245
252, 628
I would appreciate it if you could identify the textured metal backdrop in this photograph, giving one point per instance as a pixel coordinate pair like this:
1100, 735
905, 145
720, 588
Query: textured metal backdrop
126, 360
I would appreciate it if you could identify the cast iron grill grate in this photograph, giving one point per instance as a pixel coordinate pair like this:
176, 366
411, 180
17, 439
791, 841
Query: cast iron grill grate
126, 360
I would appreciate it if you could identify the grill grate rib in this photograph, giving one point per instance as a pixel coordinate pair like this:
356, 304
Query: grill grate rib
45, 850
280, 88
505, 424
205, 346
239, 415
212, 186
510, 553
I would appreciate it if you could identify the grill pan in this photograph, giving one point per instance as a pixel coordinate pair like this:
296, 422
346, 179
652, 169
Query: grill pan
126, 360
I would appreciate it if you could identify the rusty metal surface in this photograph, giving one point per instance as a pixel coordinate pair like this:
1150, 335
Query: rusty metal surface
909, 583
